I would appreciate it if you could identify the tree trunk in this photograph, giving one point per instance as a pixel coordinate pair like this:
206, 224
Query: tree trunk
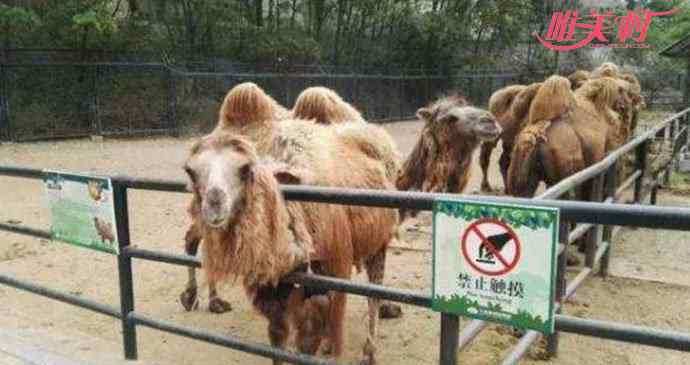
271, 5
292, 15
259, 12
338, 30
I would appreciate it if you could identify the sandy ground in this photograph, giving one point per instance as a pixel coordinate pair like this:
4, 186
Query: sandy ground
158, 222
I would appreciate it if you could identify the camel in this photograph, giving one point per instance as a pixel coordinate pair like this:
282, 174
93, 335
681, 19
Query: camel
440, 161
564, 132
251, 232
247, 110
500, 104
104, 230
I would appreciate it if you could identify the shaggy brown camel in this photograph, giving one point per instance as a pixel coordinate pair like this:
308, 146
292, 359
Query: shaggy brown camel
245, 107
247, 110
500, 104
440, 161
250, 231
565, 132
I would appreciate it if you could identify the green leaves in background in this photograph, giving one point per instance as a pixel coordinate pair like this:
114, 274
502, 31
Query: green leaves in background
514, 217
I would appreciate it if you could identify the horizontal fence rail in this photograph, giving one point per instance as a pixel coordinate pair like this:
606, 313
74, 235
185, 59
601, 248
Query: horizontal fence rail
596, 220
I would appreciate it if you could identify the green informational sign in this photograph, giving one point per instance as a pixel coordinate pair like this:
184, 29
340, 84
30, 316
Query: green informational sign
82, 210
496, 262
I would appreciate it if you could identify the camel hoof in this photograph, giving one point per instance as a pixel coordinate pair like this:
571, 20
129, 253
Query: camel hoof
572, 261
388, 311
217, 305
369, 352
188, 299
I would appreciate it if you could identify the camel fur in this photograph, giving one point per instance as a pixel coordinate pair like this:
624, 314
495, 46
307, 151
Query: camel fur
500, 104
324, 106
441, 158
264, 237
578, 78
565, 132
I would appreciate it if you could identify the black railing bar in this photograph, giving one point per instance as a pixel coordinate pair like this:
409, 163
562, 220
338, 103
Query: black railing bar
674, 218
629, 181
406, 296
158, 256
225, 341
25, 230
18, 171
60, 296
668, 339
319, 281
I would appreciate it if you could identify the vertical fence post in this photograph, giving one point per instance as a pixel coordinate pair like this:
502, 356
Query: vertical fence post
172, 103
124, 266
4, 127
594, 235
609, 191
559, 294
96, 127
450, 332
401, 95
640, 164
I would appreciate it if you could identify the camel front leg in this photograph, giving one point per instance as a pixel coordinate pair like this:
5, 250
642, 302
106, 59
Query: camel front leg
188, 298
484, 161
278, 329
375, 267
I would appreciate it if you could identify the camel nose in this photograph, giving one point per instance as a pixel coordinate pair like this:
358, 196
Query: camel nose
215, 198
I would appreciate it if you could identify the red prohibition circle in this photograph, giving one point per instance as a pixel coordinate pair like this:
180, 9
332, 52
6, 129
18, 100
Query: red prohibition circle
472, 227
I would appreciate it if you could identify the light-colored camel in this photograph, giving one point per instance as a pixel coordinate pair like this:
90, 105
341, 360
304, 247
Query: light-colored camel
324, 106
250, 231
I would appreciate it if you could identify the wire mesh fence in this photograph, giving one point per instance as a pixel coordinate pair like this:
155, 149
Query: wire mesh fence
48, 99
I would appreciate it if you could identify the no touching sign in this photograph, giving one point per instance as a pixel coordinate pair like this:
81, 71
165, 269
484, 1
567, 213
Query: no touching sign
495, 262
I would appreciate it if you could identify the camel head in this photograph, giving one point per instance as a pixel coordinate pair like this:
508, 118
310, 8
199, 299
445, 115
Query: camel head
501, 101
578, 78
606, 69
453, 118
607, 92
219, 167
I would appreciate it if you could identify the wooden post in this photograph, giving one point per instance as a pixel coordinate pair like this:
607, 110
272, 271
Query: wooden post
640, 164
96, 126
611, 184
4, 117
172, 103
450, 331
594, 234
559, 294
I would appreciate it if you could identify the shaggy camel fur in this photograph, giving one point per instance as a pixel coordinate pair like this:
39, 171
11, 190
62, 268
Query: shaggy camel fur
500, 104
249, 231
246, 110
441, 158
578, 78
324, 106
565, 132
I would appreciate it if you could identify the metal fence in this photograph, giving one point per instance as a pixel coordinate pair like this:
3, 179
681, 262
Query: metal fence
596, 219
50, 100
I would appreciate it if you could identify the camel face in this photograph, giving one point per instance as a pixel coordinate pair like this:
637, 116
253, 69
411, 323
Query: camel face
476, 122
218, 173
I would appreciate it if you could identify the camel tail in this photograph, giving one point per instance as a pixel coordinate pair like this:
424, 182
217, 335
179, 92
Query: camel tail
247, 104
324, 106
523, 178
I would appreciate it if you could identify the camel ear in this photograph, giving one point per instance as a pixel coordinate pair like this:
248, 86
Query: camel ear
287, 177
424, 114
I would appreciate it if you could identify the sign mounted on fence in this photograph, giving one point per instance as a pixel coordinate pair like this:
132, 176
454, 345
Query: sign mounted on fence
495, 262
82, 210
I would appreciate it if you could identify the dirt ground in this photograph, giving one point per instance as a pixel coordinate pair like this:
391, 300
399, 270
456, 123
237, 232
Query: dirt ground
647, 272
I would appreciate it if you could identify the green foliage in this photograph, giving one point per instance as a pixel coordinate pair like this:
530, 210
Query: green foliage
514, 217
525, 320
16, 18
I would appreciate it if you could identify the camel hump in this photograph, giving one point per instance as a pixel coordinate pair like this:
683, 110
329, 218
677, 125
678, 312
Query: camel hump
552, 101
324, 106
501, 100
246, 104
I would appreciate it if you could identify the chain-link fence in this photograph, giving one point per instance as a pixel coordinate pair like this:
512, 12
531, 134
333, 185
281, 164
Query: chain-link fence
47, 100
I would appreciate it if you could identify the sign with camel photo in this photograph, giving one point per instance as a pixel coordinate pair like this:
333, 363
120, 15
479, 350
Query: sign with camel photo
495, 262
82, 211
